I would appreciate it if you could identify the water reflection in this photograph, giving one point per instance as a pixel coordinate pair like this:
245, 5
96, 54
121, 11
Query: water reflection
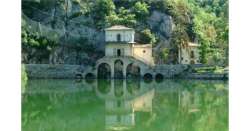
122, 99
180, 105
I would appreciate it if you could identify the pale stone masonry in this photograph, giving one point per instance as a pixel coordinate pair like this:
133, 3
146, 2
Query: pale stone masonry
133, 57
120, 42
189, 54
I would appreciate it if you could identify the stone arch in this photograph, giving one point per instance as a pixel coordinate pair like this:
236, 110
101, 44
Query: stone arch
118, 69
133, 86
104, 71
192, 62
104, 86
78, 76
148, 77
133, 71
159, 77
89, 76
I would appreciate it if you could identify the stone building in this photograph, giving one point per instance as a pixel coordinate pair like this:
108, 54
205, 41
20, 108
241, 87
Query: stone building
120, 42
125, 58
189, 54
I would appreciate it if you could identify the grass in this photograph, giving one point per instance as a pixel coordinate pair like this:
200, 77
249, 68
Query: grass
213, 69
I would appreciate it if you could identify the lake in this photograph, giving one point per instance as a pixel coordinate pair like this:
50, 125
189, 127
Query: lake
134, 105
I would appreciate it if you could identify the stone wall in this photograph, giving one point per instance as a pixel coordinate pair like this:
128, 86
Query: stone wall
61, 71
208, 76
48, 71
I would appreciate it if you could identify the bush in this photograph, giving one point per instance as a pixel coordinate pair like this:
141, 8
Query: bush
147, 37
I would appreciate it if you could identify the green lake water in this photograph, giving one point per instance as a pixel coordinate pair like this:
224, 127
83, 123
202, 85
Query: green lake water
136, 105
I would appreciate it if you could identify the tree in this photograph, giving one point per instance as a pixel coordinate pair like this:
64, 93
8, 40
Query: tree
147, 37
102, 9
123, 17
141, 11
164, 54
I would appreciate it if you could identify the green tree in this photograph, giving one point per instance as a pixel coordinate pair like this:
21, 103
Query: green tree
123, 17
147, 37
164, 54
141, 11
102, 9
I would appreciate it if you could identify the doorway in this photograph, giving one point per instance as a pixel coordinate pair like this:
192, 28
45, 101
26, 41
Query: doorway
118, 52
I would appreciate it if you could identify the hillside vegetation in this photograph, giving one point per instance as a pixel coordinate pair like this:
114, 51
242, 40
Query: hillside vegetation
72, 31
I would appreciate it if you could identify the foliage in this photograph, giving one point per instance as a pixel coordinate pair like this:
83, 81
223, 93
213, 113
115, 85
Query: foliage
141, 11
147, 36
42, 45
201, 21
102, 9
205, 21
164, 54
209, 69
123, 17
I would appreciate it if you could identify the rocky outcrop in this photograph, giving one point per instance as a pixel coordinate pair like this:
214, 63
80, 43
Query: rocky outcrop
161, 23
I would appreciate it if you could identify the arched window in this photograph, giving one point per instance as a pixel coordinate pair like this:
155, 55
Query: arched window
118, 37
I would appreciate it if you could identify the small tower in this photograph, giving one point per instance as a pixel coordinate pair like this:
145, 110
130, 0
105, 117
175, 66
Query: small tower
120, 43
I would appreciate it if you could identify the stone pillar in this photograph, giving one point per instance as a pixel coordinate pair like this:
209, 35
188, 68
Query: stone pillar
124, 70
112, 90
112, 69
124, 84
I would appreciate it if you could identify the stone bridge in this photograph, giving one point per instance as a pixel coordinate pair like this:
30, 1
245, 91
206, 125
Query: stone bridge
131, 65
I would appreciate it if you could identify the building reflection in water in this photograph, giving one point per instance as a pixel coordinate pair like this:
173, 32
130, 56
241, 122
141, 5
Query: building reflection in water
122, 99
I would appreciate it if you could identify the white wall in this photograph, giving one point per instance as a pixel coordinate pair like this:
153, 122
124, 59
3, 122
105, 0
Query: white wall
126, 35
110, 49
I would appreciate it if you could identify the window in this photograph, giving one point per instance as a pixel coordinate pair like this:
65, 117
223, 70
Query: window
119, 52
192, 54
118, 37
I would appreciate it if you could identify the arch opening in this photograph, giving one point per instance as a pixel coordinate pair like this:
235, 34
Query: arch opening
133, 71
89, 76
148, 77
104, 71
78, 76
104, 86
159, 77
192, 62
133, 86
118, 88
118, 69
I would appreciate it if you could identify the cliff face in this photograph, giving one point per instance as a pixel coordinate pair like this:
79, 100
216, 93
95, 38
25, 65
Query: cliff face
68, 25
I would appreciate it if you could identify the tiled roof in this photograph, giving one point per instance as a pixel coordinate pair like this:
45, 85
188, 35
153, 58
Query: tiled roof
119, 27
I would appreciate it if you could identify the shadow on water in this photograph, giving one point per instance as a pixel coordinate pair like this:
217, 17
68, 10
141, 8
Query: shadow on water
132, 104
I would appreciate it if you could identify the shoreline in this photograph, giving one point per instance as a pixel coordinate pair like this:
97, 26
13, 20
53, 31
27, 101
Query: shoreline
64, 71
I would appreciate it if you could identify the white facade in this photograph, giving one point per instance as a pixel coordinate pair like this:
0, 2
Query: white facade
113, 49
119, 36
120, 42
119, 33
